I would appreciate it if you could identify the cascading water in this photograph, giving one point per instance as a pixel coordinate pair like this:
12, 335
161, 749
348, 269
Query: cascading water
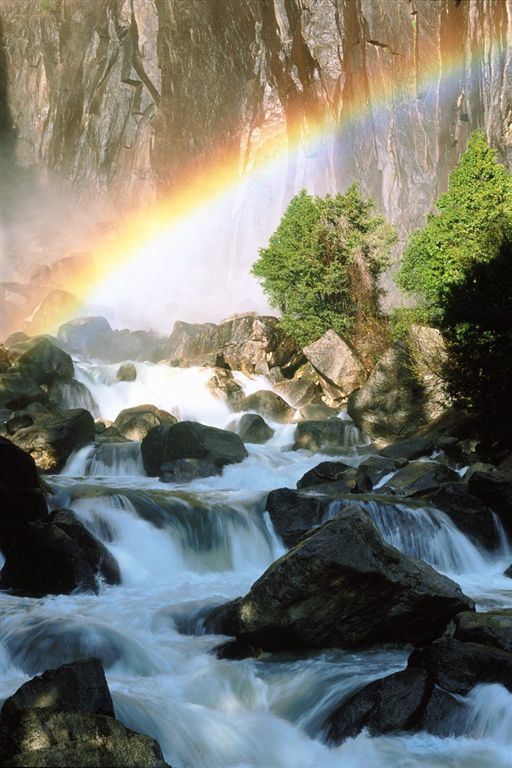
184, 548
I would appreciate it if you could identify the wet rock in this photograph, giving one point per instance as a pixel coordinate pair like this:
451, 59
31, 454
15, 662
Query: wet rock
252, 428
293, 514
126, 372
56, 556
468, 512
17, 391
21, 498
419, 477
343, 476
18, 420
337, 364
459, 666
65, 717
492, 628
332, 436
135, 423
494, 489
211, 449
300, 392
5, 359
52, 439
409, 449
317, 412
342, 586
267, 404
508, 572
373, 469
86, 336
45, 363
223, 385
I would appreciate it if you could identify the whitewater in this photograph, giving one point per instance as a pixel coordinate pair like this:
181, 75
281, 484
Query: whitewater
183, 548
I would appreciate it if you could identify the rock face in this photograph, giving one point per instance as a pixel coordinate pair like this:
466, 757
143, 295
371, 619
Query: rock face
249, 343
189, 449
45, 363
93, 337
53, 437
494, 489
340, 370
342, 586
135, 423
17, 391
65, 717
54, 556
21, 498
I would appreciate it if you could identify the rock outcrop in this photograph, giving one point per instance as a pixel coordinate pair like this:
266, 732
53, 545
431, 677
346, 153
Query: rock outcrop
339, 369
135, 423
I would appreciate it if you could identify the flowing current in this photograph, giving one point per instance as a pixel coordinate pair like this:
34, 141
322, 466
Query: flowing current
184, 548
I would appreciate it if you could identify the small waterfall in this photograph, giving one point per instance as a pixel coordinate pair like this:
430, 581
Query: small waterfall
105, 460
489, 714
425, 533
75, 394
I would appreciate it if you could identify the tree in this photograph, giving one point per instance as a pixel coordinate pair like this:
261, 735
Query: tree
321, 266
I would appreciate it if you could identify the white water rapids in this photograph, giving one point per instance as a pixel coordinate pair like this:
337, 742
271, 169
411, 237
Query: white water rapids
184, 548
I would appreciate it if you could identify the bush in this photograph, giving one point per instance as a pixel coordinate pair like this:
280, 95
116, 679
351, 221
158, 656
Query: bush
322, 264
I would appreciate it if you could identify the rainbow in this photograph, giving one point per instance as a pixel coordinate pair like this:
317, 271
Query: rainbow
196, 189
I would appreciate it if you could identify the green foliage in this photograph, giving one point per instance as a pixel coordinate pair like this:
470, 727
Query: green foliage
460, 269
321, 266
474, 215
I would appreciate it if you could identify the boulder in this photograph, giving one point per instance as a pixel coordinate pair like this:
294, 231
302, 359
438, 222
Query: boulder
336, 474
293, 514
508, 572
52, 439
126, 372
409, 449
300, 392
419, 477
45, 363
209, 448
18, 420
332, 436
493, 628
5, 359
342, 586
373, 469
88, 337
341, 372
457, 667
494, 489
267, 404
468, 512
224, 386
21, 498
56, 556
252, 428
249, 343
65, 717
316, 412
135, 423
18, 390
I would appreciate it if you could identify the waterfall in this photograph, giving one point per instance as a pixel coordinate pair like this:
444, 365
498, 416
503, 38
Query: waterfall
106, 460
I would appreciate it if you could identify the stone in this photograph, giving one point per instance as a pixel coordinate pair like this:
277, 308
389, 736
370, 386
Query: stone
342, 475
492, 628
410, 449
494, 489
459, 666
215, 448
17, 391
18, 420
267, 404
224, 386
21, 499
135, 423
56, 556
373, 469
342, 586
65, 717
52, 439
86, 336
5, 359
293, 514
508, 572
468, 512
126, 372
299, 392
419, 477
337, 364
316, 412
45, 363
332, 436
252, 428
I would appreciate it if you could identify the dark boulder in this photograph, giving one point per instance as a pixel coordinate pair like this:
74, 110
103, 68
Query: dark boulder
126, 372
18, 420
374, 468
293, 514
332, 436
334, 475
409, 449
21, 498
52, 439
65, 717
508, 572
45, 363
457, 666
18, 390
135, 423
211, 449
56, 556
494, 489
342, 586
468, 512
267, 404
493, 628
419, 477
86, 336
252, 428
